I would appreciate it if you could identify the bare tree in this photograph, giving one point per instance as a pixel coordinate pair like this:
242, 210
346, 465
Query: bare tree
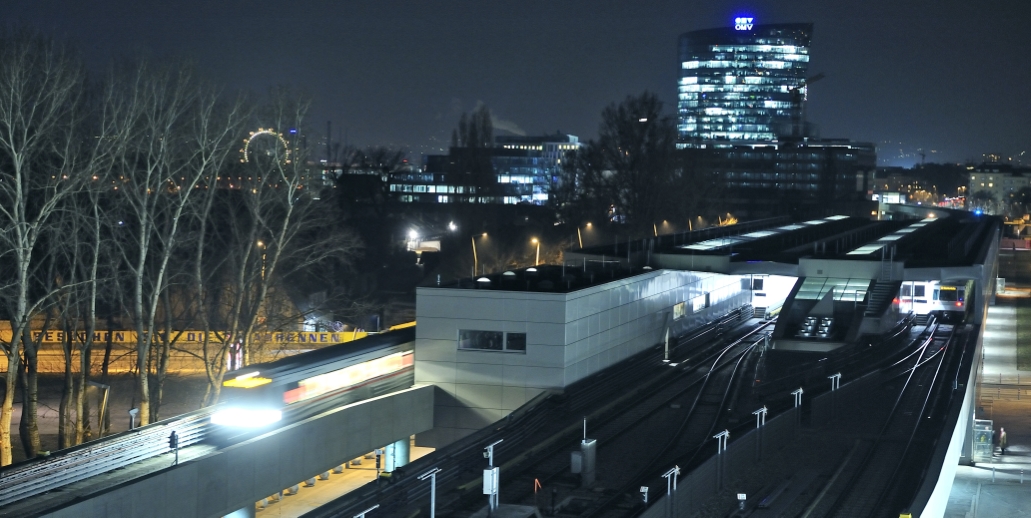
41, 89
217, 130
274, 226
156, 108
472, 145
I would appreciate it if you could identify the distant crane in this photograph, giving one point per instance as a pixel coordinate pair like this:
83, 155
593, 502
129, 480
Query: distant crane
798, 97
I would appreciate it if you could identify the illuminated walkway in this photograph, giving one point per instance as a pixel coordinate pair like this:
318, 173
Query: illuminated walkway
325, 491
981, 491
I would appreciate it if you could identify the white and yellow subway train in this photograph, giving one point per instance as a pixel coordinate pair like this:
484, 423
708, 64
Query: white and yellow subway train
306, 384
951, 301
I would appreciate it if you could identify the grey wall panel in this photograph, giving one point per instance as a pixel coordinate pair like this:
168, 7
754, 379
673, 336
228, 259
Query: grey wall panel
569, 335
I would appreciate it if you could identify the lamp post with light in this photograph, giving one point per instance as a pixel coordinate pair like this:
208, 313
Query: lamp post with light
261, 245
476, 260
537, 242
579, 236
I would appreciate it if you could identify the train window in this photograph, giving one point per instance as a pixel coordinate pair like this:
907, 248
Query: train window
918, 290
515, 341
483, 340
757, 284
949, 294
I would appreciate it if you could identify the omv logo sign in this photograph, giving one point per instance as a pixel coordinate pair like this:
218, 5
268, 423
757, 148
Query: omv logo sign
743, 24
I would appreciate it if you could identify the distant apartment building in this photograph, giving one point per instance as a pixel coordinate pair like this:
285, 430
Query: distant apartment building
521, 170
1001, 182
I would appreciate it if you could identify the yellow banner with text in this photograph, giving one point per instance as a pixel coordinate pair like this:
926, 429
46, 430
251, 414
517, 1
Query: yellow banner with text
275, 338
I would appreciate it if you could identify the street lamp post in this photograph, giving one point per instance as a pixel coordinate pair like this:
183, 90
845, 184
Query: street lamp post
760, 422
671, 489
476, 259
579, 236
261, 245
721, 446
432, 475
538, 258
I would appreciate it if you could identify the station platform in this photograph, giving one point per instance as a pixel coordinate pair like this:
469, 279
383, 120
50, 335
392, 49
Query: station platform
325, 491
1001, 489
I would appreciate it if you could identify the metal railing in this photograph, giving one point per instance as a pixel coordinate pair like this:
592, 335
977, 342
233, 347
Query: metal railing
998, 379
32, 477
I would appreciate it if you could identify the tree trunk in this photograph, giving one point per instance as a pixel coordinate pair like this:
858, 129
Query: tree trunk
143, 387
82, 424
65, 435
28, 426
13, 366
105, 425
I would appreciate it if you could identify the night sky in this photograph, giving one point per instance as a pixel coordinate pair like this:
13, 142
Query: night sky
951, 77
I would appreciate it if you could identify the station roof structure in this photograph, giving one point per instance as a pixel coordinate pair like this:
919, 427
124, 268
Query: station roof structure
912, 238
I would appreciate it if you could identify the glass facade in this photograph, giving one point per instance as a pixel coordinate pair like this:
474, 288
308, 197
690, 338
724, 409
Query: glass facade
526, 170
528, 167
740, 85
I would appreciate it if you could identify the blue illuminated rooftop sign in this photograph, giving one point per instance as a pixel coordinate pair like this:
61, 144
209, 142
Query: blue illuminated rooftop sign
743, 24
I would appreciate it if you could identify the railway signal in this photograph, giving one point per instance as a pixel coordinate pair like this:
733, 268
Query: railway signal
491, 478
173, 443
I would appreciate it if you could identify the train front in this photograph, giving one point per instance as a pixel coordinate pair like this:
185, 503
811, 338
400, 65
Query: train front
250, 400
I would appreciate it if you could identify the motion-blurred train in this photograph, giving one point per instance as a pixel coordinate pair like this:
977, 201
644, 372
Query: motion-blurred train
951, 301
309, 383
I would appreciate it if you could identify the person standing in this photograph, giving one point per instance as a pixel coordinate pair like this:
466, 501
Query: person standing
1002, 440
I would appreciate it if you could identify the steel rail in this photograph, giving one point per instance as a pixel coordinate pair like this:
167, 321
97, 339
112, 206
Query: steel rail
925, 356
891, 486
677, 436
461, 462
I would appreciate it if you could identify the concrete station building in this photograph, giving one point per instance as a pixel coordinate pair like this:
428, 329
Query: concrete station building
493, 343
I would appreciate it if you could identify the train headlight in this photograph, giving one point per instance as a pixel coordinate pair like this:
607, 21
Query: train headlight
246, 417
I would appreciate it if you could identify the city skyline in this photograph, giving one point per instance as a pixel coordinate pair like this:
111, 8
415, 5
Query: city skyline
945, 82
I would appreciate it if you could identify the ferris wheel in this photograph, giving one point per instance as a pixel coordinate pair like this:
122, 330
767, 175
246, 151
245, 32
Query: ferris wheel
265, 142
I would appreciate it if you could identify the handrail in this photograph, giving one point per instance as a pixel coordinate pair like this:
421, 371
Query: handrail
35, 476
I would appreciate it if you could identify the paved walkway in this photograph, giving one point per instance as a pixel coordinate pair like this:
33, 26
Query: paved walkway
325, 491
1001, 489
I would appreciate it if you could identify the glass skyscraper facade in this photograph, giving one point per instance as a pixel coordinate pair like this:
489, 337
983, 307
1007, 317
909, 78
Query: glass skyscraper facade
742, 84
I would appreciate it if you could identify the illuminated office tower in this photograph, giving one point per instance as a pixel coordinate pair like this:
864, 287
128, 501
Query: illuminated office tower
742, 84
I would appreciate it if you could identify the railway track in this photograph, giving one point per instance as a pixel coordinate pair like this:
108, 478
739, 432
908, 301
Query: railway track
536, 444
622, 426
869, 479
685, 433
